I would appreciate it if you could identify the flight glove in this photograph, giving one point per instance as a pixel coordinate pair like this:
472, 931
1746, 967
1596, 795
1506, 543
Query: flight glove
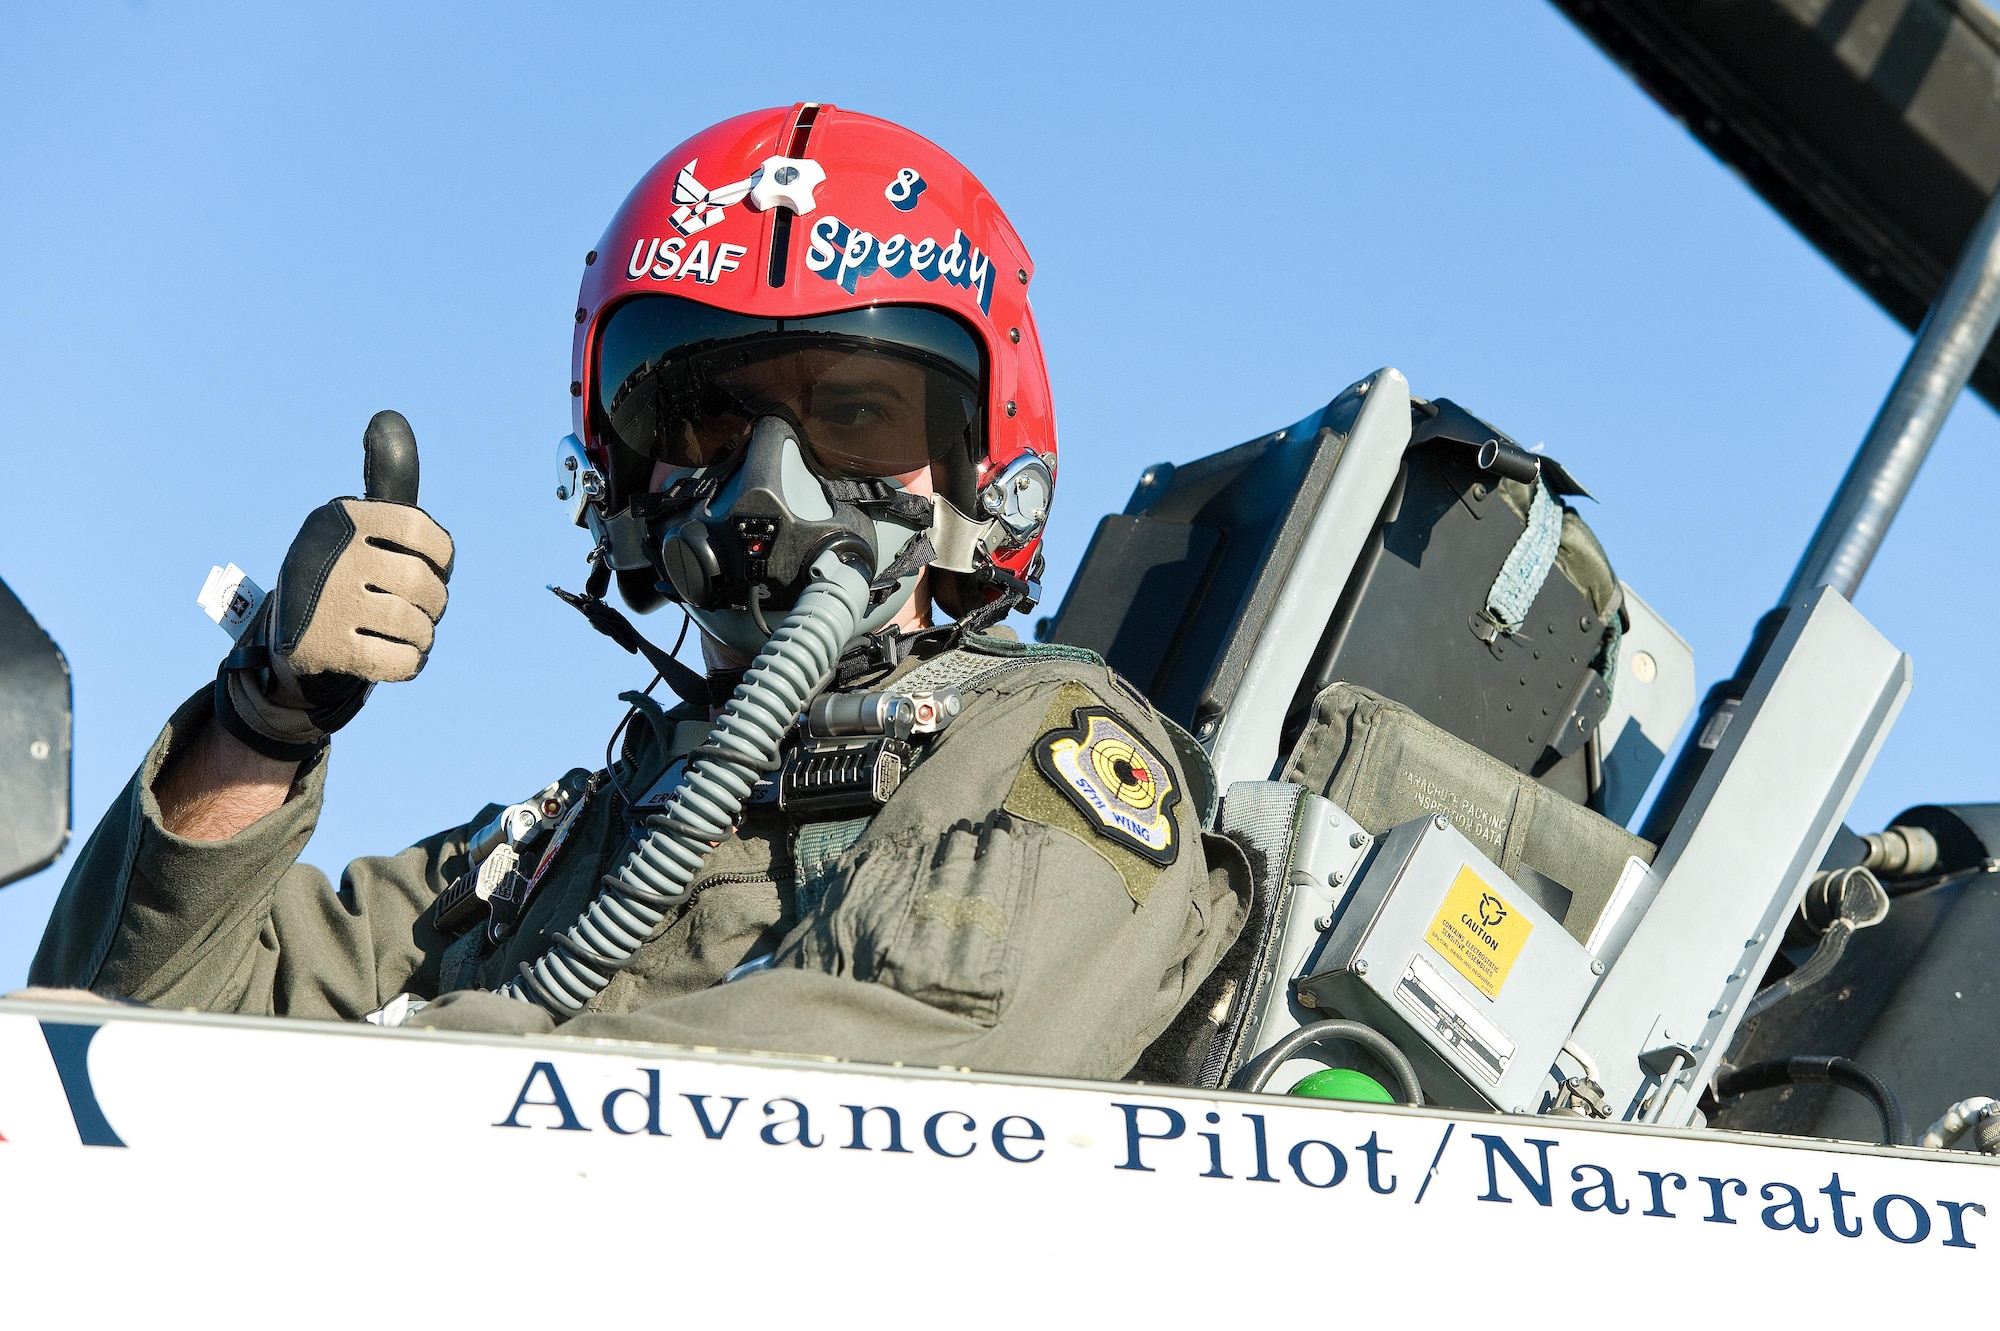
357, 603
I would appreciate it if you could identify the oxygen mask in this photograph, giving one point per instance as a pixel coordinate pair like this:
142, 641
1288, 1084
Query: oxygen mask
737, 540
765, 451
740, 539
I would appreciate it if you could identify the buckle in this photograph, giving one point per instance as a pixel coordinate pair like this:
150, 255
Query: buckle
826, 777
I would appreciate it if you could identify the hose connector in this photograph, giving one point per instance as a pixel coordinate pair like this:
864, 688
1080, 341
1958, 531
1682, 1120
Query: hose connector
1980, 1115
1901, 852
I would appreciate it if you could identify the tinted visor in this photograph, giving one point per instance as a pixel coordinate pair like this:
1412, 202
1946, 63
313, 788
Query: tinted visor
877, 392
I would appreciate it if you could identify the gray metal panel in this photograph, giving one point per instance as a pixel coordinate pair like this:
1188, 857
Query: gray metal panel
1245, 743
1871, 127
1176, 591
34, 743
1325, 860
1751, 835
1382, 966
1650, 702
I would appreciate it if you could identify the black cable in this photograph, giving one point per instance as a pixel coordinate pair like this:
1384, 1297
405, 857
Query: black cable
675, 650
610, 765
687, 683
1822, 1069
1257, 1072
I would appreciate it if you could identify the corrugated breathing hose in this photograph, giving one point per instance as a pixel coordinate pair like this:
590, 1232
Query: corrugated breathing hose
652, 876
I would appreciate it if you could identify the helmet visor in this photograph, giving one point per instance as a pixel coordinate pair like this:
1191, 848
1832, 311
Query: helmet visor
882, 391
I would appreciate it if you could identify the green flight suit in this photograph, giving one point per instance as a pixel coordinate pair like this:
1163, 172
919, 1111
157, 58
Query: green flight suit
983, 919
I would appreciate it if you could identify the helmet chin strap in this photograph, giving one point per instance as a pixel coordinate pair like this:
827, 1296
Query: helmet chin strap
1014, 593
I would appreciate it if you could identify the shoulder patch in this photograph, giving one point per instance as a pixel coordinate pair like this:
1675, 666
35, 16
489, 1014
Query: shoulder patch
1124, 790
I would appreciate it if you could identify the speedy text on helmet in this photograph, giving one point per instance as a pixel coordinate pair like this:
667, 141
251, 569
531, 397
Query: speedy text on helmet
843, 254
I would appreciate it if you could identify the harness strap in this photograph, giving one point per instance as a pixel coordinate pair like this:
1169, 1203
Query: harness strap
1527, 565
963, 668
914, 556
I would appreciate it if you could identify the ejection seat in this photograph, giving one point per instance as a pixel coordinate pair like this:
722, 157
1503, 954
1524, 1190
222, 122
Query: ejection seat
1371, 606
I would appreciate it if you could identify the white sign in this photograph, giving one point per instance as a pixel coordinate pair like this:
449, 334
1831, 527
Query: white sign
259, 1172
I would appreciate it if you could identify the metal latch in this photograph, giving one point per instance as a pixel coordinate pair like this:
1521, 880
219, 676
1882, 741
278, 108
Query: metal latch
495, 852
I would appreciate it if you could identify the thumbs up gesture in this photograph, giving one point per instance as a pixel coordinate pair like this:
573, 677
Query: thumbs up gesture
357, 603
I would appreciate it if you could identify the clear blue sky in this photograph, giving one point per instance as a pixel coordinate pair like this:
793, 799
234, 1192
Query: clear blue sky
230, 234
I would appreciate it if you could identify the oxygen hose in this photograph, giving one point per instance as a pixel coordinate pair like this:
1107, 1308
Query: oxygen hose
651, 877
1804, 1071
1256, 1074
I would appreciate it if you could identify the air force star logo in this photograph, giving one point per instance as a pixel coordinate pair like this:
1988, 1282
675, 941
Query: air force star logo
781, 182
1125, 791
701, 207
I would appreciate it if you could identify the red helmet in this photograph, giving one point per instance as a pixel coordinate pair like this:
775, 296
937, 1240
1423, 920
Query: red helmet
811, 210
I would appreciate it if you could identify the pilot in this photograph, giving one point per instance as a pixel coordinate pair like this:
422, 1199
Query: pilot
810, 409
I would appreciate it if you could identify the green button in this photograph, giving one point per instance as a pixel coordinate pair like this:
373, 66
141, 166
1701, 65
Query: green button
1343, 1084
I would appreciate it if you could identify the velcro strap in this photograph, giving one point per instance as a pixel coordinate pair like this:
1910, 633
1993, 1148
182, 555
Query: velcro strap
255, 656
916, 553
1527, 565
230, 720
882, 649
879, 498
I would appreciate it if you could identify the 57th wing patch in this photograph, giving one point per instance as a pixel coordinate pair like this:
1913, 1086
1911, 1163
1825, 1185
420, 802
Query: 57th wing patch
1124, 790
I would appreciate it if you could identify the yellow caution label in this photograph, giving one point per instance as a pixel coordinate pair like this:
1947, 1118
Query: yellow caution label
1479, 932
